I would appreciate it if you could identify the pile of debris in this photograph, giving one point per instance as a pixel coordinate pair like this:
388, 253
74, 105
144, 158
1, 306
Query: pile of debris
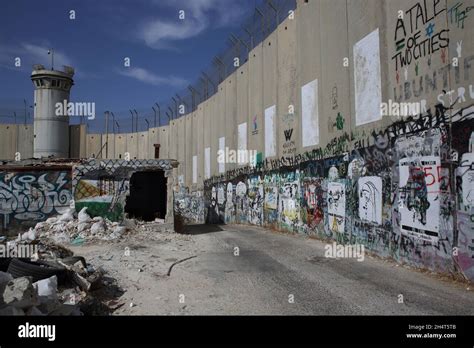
66, 229
52, 282
40, 276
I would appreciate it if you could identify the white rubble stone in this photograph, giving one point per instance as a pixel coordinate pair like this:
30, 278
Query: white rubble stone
5, 278
67, 216
83, 217
61, 238
20, 293
83, 226
47, 288
51, 220
98, 228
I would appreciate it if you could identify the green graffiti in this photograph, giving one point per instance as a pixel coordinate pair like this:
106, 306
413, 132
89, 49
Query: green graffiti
339, 121
102, 209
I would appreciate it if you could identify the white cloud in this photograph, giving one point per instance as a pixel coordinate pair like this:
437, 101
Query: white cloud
199, 16
31, 54
148, 77
40, 55
158, 33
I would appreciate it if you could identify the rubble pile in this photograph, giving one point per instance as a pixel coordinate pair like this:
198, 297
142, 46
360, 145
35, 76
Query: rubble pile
65, 229
25, 288
51, 280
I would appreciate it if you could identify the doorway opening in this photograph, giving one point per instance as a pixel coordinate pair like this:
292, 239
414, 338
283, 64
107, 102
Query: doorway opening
148, 196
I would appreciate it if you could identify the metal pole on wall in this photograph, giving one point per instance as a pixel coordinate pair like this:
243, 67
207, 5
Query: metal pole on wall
176, 106
263, 21
113, 130
131, 112
113, 122
136, 121
159, 114
24, 100
249, 33
269, 2
107, 134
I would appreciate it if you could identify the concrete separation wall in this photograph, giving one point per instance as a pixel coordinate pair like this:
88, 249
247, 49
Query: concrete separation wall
361, 115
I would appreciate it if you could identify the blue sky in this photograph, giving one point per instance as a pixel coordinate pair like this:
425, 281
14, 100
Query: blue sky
167, 54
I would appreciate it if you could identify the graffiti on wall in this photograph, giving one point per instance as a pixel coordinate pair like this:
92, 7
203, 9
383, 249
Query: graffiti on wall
28, 197
336, 199
392, 192
289, 200
189, 205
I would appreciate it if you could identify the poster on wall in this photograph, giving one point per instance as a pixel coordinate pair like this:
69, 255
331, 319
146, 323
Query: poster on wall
310, 114
370, 199
467, 177
270, 143
242, 137
222, 150
336, 206
207, 162
195, 170
367, 79
419, 203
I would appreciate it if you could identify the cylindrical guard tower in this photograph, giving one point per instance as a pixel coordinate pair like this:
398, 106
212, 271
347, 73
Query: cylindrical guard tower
51, 127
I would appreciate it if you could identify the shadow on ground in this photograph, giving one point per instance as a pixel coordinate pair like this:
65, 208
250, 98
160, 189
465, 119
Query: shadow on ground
201, 229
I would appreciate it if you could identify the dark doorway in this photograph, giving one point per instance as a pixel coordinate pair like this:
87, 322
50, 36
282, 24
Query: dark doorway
157, 151
148, 196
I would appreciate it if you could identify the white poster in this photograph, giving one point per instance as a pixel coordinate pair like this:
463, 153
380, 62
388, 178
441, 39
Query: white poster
370, 199
220, 195
241, 189
242, 137
222, 150
367, 79
195, 170
336, 206
207, 162
270, 143
310, 114
467, 175
419, 197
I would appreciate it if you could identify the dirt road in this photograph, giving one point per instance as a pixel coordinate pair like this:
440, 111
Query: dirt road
268, 274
